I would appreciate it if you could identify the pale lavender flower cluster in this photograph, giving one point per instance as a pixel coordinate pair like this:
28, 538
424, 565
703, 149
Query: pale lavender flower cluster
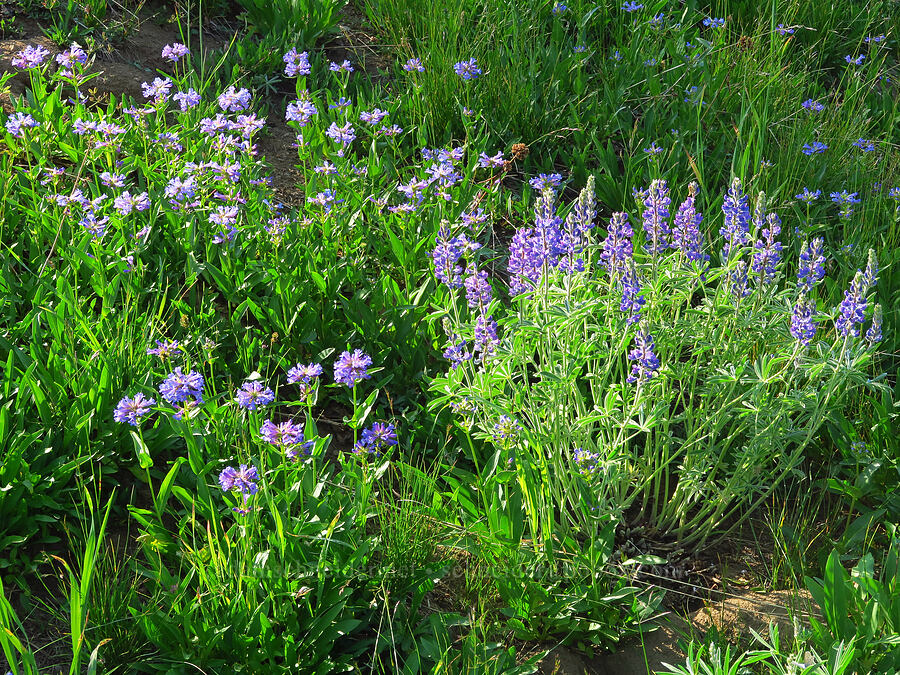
376, 439
17, 123
164, 349
296, 64
285, 436
126, 202
71, 59
158, 90
131, 410
254, 395
31, 57
301, 111
175, 52
342, 67
234, 100
186, 99
242, 480
352, 368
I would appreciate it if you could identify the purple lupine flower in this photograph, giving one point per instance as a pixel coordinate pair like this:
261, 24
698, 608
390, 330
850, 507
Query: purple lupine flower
873, 335
131, 410
446, 255
253, 395
457, 352
686, 235
808, 196
304, 373
632, 300
588, 463
486, 339
164, 349
656, 216
870, 273
467, 70
845, 200
523, 262
853, 307
767, 252
296, 63
234, 100
803, 325
736, 208
158, 90
737, 280
342, 67
125, 203
349, 369
617, 247
180, 386
811, 269
478, 289
545, 180
17, 123
414, 65
814, 148
506, 430
30, 57
646, 364
186, 99
175, 52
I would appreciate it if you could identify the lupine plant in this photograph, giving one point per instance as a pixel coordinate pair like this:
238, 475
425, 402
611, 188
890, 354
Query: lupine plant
627, 377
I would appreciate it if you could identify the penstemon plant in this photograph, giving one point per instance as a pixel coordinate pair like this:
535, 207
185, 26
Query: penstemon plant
641, 383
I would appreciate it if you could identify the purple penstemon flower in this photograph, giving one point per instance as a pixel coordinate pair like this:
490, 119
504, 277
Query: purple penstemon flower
414, 65
131, 410
296, 64
813, 106
342, 67
284, 435
125, 203
18, 123
736, 208
711, 22
845, 200
864, 145
855, 61
632, 7
158, 90
352, 368
814, 148
376, 439
30, 57
467, 70
164, 349
373, 117
179, 386
234, 100
175, 52
242, 480
808, 196
546, 180
186, 99
486, 161
304, 373
344, 134
253, 395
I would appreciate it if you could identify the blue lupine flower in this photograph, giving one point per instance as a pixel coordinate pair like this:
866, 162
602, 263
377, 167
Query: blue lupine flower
457, 352
617, 247
811, 269
737, 280
873, 335
486, 339
446, 255
656, 216
478, 289
686, 235
588, 463
768, 251
853, 307
467, 70
646, 363
349, 369
253, 395
808, 196
803, 326
506, 431
736, 208
814, 148
131, 410
632, 300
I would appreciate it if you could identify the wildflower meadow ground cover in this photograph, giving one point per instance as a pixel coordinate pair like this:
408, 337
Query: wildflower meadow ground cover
562, 297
